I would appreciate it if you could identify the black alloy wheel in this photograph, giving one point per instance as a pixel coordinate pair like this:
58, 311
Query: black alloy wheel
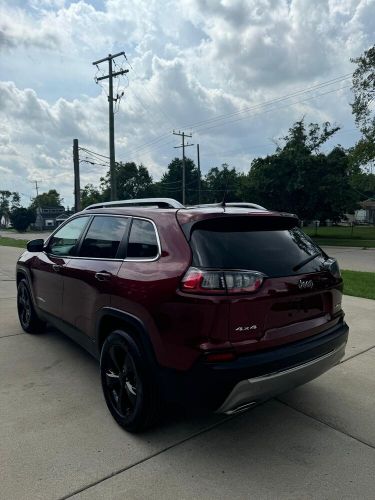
26, 312
121, 380
130, 394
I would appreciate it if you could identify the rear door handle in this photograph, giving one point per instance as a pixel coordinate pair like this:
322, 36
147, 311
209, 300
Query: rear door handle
56, 268
103, 276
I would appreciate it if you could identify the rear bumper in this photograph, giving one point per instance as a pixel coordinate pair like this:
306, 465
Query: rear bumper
255, 377
254, 390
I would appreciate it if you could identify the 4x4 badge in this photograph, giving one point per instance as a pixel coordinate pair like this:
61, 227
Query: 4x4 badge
303, 284
246, 328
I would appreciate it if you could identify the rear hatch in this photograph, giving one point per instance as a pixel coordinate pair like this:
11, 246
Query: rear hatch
298, 296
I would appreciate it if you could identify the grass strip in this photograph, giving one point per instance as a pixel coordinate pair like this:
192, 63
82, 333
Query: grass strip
12, 242
359, 284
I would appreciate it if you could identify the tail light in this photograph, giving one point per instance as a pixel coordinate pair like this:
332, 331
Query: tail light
221, 282
333, 267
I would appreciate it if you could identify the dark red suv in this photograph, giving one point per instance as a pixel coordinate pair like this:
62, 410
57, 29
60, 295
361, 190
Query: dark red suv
214, 307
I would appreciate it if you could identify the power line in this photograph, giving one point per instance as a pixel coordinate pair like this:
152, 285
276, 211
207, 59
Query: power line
93, 153
273, 109
200, 128
254, 114
150, 145
168, 118
271, 101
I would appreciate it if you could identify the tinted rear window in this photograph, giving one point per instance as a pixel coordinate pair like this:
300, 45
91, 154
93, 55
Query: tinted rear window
104, 237
236, 245
143, 243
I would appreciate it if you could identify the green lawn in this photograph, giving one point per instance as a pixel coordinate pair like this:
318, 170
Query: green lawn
12, 242
341, 242
359, 284
356, 236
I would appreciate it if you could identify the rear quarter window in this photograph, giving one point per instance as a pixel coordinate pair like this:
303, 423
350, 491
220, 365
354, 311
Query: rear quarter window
143, 242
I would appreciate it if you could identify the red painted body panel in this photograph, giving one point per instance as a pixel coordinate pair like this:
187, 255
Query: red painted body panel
47, 281
83, 294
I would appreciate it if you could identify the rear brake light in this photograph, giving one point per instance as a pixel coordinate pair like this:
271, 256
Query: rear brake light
220, 282
333, 267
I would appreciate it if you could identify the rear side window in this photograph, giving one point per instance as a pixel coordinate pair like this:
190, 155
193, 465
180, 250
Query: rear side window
236, 245
104, 237
143, 243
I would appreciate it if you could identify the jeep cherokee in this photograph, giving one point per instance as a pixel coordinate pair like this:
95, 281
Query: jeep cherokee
217, 307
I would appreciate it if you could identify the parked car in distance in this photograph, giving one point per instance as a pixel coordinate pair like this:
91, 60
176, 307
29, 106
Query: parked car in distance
214, 307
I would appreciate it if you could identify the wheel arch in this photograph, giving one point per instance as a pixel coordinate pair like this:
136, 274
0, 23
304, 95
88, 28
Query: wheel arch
110, 319
21, 274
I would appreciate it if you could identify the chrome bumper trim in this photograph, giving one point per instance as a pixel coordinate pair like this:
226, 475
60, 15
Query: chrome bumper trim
258, 389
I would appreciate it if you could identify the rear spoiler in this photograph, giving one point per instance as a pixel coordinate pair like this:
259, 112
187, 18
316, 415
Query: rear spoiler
264, 221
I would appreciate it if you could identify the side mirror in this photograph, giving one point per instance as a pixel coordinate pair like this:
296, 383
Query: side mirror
35, 245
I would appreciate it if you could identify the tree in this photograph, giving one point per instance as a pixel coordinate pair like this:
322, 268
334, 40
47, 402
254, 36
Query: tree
363, 105
21, 218
8, 201
50, 199
170, 185
132, 182
90, 195
220, 181
363, 183
300, 179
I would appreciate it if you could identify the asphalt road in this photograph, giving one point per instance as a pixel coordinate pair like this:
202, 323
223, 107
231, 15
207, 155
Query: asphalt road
355, 259
24, 236
57, 439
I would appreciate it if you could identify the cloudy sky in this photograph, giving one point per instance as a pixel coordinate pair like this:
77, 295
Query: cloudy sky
234, 73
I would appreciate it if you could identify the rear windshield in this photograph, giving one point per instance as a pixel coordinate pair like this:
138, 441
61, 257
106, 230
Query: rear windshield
236, 245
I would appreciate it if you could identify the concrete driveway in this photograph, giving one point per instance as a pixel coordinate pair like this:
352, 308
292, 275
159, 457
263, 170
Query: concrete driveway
57, 439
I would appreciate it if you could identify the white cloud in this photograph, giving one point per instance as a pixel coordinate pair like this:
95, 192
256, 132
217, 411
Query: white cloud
194, 60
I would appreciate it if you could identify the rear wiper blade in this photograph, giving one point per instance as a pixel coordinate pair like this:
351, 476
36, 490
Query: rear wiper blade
306, 261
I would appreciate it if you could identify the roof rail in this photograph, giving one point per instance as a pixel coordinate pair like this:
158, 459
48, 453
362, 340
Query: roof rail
140, 202
231, 204
245, 205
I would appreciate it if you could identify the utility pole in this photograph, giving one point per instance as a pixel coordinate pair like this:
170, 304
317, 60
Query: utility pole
36, 188
183, 146
77, 184
37, 191
111, 75
199, 176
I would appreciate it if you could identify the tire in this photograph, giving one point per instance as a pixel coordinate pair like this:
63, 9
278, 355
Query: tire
26, 312
130, 390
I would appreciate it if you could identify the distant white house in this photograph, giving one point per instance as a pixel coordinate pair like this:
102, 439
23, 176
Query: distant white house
368, 206
49, 217
5, 222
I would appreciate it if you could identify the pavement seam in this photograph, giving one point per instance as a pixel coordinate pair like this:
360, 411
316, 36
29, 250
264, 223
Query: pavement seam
143, 460
10, 335
355, 355
326, 424
197, 434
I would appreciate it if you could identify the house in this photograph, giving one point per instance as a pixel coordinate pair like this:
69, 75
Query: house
369, 207
49, 217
